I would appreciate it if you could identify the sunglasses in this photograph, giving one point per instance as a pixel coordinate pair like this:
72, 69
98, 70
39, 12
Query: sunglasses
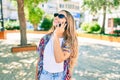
59, 15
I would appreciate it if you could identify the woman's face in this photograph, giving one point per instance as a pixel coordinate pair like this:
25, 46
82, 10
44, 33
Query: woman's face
59, 18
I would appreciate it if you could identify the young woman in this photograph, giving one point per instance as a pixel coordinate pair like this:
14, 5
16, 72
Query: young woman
58, 50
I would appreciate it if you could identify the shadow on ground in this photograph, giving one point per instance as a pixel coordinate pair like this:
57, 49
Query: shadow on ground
17, 66
95, 62
98, 62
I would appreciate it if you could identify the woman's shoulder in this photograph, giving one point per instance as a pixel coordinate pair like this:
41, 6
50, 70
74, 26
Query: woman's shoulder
47, 36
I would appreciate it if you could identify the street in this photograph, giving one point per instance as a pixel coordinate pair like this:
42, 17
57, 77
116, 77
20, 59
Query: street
98, 60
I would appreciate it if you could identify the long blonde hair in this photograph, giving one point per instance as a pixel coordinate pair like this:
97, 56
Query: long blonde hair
70, 37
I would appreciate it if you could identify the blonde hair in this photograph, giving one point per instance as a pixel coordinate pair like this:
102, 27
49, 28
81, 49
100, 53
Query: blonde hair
70, 36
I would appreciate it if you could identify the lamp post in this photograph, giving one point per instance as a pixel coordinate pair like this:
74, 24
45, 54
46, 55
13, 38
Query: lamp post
1, 20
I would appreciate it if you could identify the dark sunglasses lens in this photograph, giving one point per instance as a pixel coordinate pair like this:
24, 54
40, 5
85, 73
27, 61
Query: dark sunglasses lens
56, 14
61, 16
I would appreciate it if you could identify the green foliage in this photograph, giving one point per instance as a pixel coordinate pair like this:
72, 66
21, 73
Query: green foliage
14, 3
12, 25
117, 32
33, 11
95, 5
28, 3
92, 27
66, 0
116, 21
47, 23
84, 26
35, 15
116, 2
96, 26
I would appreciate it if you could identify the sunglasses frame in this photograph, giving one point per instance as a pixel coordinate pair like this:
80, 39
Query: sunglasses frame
59, 15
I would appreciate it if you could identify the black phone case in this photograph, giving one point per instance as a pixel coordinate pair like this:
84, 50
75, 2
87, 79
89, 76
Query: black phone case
65, 26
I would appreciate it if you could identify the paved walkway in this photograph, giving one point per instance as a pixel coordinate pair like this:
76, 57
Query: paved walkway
98, 60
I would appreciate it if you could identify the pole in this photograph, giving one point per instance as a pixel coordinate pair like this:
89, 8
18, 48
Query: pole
2, 20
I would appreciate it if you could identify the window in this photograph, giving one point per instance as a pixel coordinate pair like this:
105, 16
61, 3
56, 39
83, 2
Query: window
61, 5
95, 19
42, 5
110, 22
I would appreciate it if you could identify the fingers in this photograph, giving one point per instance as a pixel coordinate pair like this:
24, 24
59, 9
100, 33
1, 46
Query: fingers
63, 25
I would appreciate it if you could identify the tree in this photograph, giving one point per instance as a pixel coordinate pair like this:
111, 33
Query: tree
35, 15
22, 22
66, 0
47, 22
34, 12
105, 5
22, 19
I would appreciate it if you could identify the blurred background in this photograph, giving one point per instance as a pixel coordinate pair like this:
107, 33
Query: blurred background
83, 11
97, 23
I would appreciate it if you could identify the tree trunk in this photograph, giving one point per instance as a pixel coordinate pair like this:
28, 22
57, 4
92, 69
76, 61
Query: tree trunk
22, 22
104, 19
35, 27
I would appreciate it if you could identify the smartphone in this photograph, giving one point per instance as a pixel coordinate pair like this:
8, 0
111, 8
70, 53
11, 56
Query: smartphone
65, 26
59, 25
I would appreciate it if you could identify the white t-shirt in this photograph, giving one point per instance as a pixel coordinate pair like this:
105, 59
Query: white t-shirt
49, 63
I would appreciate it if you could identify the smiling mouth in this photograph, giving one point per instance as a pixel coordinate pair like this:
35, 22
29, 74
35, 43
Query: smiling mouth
56, 21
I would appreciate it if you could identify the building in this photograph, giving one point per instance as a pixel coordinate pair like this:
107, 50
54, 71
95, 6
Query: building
10, 10
53, 6
110, 24
50, 7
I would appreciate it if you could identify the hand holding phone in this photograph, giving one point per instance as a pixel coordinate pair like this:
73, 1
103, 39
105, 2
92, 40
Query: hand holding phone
65, 26
60, 28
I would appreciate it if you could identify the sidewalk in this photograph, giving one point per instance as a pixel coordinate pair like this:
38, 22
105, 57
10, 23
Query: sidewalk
98, 60
96, 41
82, 39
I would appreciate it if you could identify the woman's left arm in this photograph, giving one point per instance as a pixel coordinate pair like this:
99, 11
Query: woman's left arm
59, 53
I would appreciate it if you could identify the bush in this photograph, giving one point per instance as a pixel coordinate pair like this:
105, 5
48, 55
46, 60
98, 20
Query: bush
84, 26
35, 15
96, 27
12, 25
117, 32
90, 27
46, 23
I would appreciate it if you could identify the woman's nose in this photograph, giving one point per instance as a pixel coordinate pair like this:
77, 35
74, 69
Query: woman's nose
56, 17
